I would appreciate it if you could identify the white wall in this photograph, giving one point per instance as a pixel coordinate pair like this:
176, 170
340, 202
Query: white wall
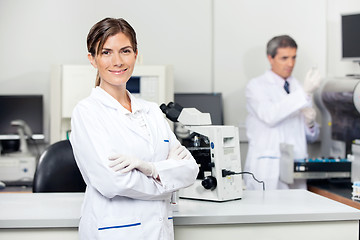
39, 33
36, 34
242, 30
214, 45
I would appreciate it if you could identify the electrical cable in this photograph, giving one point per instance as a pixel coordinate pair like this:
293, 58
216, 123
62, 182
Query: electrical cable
227, 173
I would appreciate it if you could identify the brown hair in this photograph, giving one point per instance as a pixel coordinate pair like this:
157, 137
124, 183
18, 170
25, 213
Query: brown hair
100, 32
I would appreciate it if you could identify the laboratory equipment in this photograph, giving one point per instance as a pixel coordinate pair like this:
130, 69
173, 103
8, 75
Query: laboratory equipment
339, 103
216, 149
24, 132
2, 185
72, 83
350, 36
19, 167
204, 102
356, 191
355, 161
311, 168
28, 108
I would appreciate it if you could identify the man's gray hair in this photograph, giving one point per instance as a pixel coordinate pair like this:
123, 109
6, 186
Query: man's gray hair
282, 41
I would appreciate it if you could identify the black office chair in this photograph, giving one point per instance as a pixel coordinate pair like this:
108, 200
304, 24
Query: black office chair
57, 170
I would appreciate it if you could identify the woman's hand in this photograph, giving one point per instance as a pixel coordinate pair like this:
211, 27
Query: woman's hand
179, 153
124, 163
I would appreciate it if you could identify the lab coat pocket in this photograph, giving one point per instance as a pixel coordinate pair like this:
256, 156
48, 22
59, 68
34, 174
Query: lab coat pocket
162, 149
170, 227
120, 228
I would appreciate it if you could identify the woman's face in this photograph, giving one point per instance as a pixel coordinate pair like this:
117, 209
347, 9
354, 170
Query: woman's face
115, 61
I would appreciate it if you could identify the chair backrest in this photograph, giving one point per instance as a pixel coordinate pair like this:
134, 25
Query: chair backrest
57, 170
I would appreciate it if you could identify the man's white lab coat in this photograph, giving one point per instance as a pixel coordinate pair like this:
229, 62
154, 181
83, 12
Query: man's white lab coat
274, 117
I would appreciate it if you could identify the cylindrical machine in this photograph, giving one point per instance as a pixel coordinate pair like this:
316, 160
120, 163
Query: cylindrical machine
339, 104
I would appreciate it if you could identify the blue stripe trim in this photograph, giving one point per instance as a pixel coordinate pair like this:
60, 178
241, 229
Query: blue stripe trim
170, 218
122, 226
272, 157
166, 140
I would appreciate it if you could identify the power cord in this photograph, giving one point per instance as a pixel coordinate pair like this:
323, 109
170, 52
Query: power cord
228, 172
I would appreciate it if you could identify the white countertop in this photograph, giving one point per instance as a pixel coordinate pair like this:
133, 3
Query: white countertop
44, 210
265, 207
38, 210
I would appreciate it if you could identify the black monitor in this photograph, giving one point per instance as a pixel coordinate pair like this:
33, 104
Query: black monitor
28, 108
133, 85
204, 102
350, 25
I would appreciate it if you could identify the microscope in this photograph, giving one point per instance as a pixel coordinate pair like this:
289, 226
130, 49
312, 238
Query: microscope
216, 149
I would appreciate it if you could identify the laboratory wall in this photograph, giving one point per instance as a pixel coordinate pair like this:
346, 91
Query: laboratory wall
242, 30
37, 34
213, 45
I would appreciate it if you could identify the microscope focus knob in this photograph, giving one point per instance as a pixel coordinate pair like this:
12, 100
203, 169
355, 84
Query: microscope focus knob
209, 183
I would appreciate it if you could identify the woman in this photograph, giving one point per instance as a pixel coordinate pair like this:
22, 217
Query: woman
127, 154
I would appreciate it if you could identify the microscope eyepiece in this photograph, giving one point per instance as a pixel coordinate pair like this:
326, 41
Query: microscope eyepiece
172, 110
163, 108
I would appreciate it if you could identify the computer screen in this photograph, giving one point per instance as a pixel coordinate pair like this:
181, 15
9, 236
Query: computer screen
133, 85
28, 108
204, 102
350, 33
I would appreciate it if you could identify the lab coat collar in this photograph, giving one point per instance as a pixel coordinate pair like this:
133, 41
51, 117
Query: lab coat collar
277, 79
109, 101
136, 105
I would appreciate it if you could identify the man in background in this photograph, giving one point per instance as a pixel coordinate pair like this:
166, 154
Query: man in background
279, 111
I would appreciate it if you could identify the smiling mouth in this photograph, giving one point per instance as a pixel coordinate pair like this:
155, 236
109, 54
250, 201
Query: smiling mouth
118, 71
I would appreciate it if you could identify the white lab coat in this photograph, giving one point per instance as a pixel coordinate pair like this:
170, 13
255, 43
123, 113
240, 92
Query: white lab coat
274, 117
131, 205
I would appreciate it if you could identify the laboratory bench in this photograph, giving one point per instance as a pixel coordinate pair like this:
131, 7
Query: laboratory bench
16, 189
277, 214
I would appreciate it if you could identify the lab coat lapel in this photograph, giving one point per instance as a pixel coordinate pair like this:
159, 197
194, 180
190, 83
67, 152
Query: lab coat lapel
276, 86
110, 102
133, 126
152, 127
140, 106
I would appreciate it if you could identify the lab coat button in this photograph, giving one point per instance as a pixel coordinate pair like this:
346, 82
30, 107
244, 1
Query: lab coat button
160, 219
